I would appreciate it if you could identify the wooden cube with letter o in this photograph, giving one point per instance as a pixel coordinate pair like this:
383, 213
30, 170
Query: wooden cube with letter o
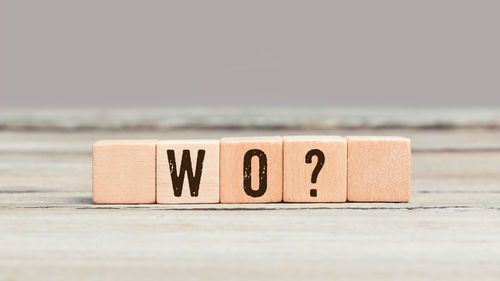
251, 170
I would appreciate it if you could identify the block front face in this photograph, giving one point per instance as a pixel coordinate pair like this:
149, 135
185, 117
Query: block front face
378, 169
188, 171
124, 171
251, 170
314, 169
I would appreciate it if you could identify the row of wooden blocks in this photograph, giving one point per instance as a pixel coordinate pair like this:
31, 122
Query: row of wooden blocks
252, 170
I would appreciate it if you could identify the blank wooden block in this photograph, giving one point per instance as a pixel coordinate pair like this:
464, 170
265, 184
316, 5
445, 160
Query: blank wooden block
251, 170
314, 169
378, 169
124, 171
188, 171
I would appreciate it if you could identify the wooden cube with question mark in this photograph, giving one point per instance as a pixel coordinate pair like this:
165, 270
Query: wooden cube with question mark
314, 169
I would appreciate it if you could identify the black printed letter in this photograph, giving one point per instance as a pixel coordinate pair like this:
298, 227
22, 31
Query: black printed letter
186, 167
247, 173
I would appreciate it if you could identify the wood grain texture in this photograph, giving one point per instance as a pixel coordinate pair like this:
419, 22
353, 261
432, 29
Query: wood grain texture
207, 186
378, 169
330, 183
321, 118
124, 171
262, 171
50, 230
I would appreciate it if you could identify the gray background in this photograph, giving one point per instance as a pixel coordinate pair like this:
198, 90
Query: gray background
258, 53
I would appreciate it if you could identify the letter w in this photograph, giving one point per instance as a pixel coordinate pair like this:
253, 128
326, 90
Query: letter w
186, 167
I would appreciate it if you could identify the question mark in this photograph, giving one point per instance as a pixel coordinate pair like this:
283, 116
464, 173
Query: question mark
319, 164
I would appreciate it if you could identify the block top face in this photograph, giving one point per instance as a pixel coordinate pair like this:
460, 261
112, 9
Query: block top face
377, 138
314, 138
124, 142
190, 141
251, 139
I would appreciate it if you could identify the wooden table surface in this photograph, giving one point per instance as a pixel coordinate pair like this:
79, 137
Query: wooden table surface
50, 230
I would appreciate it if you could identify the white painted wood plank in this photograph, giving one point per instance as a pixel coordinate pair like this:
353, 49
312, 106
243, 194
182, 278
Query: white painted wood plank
49, 229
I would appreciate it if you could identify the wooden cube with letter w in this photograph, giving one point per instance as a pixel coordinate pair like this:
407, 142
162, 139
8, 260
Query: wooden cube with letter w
188, 171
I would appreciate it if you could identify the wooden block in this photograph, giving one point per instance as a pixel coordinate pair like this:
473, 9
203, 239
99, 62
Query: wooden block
314, 169
188, 171
251, 170
124, 171
378, 169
